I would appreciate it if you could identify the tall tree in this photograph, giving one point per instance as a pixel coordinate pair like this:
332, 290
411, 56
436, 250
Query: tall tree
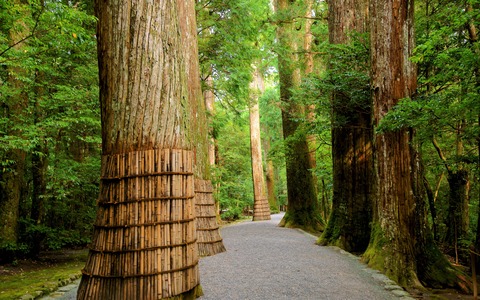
13, 157
303, 209
208, 236
401, 244
144, 242
352, 151
261, 208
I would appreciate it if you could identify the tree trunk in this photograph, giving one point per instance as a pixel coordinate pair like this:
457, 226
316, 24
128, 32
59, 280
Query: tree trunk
270, 176
431, 206
307, 47
144, 244
352, 153
303, 209
39, 173
472, 33
210, 106
261, 208
401, 244
208, 236
12, 171
458, 199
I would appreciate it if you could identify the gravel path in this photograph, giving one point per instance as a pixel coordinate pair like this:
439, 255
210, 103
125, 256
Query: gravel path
264, 261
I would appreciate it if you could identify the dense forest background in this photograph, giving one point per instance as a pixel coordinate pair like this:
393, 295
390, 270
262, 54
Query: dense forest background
50, 131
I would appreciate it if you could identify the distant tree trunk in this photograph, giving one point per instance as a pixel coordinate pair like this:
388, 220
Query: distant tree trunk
144, 244
307, 47
39, 173
431, 206
472, 33
458, 199
303, 209
210, 106
352, 151
459, 185
269, 175
401, 244
12, 171
261, 208
11, 185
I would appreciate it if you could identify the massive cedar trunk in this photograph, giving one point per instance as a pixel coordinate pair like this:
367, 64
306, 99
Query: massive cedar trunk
144, 244
401, 244
208, 236
261, 208
352, 151
188, 27
302, 210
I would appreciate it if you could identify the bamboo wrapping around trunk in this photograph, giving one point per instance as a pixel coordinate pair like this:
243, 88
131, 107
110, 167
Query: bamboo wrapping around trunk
209, 240
261, 210
144, 244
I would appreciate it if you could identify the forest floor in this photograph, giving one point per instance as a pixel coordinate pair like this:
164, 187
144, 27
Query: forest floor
32, 279
29, 279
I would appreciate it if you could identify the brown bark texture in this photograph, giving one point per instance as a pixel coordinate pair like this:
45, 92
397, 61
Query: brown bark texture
393, 78
458, 200
210, 106
352, 149
303, 209
144, 244
198, 117
143, 76
270, 179
261, 208
401, 244
309, 63
208, 235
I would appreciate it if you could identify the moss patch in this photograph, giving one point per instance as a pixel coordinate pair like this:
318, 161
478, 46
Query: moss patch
40, 278
310, 223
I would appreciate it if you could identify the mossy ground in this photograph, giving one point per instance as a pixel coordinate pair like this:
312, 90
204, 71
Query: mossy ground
41, 276
310, 223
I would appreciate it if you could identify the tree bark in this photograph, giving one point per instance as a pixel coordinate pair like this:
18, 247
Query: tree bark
352, 151
270, 175
401, 244
457, 228
208, 236
309, 62
210, 106
144, 244
303, 209
261, 208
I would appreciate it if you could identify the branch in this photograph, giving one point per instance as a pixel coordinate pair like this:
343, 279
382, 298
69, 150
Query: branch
37, 20
440, 153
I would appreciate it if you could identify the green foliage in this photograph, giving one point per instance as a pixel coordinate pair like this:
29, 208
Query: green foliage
232, 36
48, 65
445, 110
233, 173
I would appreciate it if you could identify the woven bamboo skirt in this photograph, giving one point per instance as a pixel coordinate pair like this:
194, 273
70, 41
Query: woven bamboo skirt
144, 244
